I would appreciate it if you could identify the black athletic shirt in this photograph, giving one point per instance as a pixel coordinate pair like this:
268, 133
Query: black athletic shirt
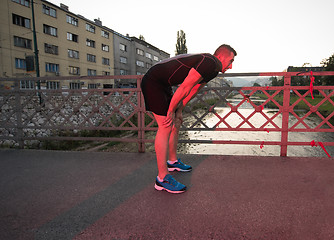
157, 82
173, 71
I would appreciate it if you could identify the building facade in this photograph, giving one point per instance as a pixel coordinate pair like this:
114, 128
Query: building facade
134, 57
68, 45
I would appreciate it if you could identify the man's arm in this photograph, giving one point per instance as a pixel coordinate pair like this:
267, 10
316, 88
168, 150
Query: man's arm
182, 104
181, 93
191, 95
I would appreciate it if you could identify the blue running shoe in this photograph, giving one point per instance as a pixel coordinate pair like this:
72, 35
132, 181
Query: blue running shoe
169, 184
179, 166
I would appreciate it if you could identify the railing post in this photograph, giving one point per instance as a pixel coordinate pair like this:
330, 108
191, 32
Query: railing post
141, 118
285, 117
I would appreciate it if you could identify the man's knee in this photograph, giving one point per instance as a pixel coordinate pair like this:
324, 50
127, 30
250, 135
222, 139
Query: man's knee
165, 129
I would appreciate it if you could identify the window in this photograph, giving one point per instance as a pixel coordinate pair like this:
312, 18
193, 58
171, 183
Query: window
92, 86
49, 11
148, 65
52, 49
105, 48
123, 72
90, 43
73, 53
140, 63
72, 37
74, 70
107, 86
23, 2
122, 47
52, 85
49, 30
75, 85
139, 73
91, 58
72, 20
20, 63
21, 21
105, 61
52, 67
148, 55
105, 73
26, 84
22, 42
104, 34
155, 58
140, 52
91, 72
90, 28
30, 63
123, 60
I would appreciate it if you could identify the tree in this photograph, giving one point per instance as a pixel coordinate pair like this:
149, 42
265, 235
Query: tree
276, 82
328, 64
181, 47
307, 65
141, 37
299, 80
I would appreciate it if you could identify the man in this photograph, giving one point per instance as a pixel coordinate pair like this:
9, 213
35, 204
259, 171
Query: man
192, 72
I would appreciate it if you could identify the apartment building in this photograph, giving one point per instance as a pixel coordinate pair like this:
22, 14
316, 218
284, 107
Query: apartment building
134, 57
68, 45
145, 56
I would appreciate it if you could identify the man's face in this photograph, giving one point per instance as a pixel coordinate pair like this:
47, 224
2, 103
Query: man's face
227, 62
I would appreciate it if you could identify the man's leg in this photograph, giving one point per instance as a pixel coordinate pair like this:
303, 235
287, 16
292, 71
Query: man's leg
161, 145
174, 139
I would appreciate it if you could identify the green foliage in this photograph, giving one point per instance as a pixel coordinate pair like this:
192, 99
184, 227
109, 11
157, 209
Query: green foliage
328, 64
204, 105
276, 82
141, 37
325, 109
304, 80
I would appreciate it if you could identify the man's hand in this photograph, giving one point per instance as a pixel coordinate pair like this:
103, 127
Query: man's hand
169, 120
178, 115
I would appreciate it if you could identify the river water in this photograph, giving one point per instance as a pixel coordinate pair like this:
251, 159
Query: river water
257, 120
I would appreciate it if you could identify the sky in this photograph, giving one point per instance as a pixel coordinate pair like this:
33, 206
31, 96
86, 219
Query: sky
268, 35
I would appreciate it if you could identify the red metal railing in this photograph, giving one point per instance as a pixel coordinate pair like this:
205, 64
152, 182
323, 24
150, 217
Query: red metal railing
285, 110
41, 114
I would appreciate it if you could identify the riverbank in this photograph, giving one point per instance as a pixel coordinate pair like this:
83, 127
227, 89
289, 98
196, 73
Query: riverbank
325, 109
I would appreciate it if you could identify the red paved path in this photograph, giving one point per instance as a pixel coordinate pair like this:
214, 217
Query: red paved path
80, 195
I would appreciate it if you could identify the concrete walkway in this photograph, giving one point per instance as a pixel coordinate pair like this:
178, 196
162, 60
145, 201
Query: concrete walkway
96, 195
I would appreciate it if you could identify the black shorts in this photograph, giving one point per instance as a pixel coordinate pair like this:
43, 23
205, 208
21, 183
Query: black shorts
157, 95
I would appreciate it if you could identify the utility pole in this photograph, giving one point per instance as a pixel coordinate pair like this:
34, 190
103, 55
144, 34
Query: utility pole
36, 51
35, 40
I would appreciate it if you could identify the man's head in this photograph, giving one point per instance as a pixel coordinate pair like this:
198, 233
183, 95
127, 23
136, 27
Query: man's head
225, 53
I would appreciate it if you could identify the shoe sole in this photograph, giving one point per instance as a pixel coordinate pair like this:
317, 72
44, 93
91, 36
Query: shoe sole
178, 169
170, 191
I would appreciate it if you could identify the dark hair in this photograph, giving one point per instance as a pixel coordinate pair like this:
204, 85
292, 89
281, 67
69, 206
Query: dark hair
223, 48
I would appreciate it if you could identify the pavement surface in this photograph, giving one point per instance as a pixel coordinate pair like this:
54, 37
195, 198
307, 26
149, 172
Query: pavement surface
96, 195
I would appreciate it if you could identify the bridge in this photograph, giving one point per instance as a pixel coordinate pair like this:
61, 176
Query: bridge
29, 115
103, 195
